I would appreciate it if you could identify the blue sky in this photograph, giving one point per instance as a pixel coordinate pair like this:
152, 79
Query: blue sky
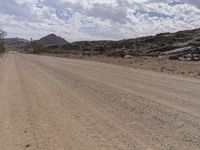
97, 19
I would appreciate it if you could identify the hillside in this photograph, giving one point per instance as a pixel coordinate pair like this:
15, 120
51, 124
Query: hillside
52, 39
15, 43
179, 45
182, 45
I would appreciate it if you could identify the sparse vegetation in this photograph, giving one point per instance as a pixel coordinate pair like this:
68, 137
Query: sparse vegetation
36, 47
2, 35
2, 48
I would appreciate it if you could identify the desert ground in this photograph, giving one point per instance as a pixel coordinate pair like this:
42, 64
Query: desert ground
50, 103
162, 64
156, 64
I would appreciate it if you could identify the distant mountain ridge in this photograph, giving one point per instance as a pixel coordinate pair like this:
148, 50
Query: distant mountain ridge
52, 39
16, 43
19, 43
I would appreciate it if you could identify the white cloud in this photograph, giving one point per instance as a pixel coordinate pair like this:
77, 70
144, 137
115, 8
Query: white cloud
97, 19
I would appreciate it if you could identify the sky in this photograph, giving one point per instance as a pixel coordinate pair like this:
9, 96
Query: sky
77, 20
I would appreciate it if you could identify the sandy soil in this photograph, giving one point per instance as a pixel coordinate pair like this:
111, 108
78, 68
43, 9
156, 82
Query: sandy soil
50, 103
161, 64
184, 68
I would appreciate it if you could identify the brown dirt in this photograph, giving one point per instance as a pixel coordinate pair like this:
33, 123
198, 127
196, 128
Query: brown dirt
49, 103
162, 64
184, 68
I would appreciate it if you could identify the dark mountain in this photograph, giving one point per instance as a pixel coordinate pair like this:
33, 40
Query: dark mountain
16, 43
52, 39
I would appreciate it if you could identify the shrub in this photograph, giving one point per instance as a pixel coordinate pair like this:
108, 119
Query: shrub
37, 48
2, 35
2, 48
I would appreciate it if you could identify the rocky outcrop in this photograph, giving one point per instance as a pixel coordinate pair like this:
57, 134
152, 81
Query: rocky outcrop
52, 39
179, 45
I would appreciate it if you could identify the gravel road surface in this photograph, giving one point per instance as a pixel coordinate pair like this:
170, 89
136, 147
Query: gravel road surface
49, 103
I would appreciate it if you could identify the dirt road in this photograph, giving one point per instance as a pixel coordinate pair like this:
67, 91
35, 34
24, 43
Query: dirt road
49, 103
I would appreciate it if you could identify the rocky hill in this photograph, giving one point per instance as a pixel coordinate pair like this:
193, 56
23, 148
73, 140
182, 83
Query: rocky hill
52, 39
182, 45
15, 43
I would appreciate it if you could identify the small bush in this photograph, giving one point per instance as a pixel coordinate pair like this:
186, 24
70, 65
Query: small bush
37, 48
2, 48
2, 35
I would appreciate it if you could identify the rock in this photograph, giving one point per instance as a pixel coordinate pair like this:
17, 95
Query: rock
187, 57
181, 59
176, 51
128, 56
196, 58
